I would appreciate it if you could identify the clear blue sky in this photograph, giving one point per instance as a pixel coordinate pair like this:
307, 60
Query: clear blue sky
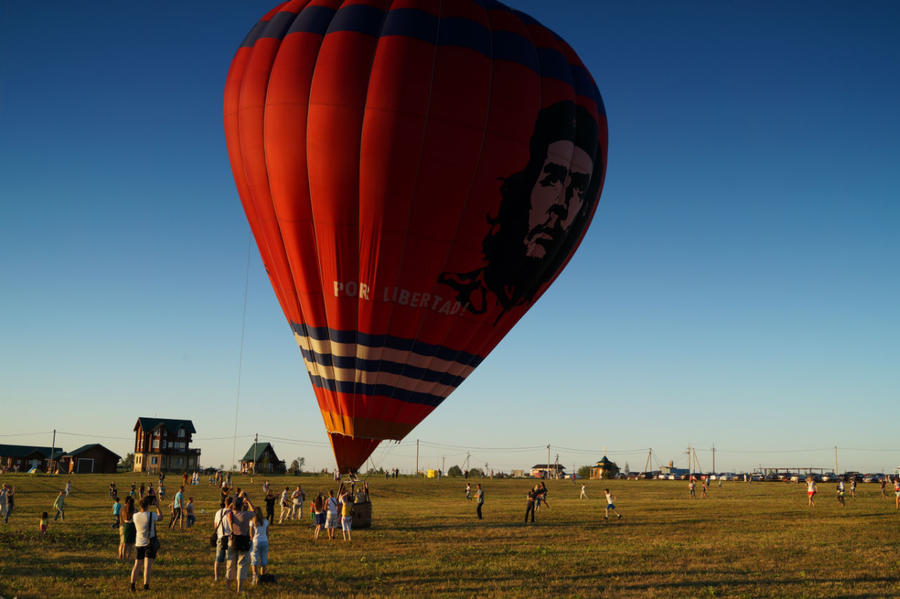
739, 285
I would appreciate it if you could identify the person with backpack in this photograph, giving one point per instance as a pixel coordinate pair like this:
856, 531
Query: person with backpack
222, 528
240, 544
146, 544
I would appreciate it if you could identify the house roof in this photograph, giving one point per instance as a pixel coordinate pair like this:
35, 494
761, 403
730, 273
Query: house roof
23, 451
171, 425
84, 448
260, 451
605, 462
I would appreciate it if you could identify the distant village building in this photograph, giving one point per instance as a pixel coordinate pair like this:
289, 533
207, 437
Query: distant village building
21, 458
163, 445
548, 471
262, 456
89, 459
604, 469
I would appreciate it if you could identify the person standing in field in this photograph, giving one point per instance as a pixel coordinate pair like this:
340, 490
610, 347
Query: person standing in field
318, 510
222, 528
479, 500
259, 555
853, 487
840, 491
127, 531
704, 493
346, 514
10, 502
116, 510
884, 486
59, 504
542, 496
468, 492
241, 543
296, 504
897, 492
584, 494
3, 501
610, 506
146, 544
189, 510
44, 519
68, 487
332, 517
691, 488
529, 503
811, 490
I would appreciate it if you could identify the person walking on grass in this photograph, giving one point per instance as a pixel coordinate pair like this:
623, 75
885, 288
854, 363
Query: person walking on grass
897, 492
178, 509
146, 544
840, 491
259, 555
584, 494
59, 504
285, 505
610, 506
270, 504
468, 492
479, 500
884, 486
811, 490
68, 487
853, 487
691, 488
10, 502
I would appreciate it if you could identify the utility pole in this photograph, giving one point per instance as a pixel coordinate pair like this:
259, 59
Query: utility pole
443, 465
714, 458
648, 464
417, 457
255, 452
548, 460
556, 467
835, 460
467, 464
52, 451
690, 460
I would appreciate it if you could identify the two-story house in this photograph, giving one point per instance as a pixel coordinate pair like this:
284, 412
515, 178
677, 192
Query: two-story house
163, 444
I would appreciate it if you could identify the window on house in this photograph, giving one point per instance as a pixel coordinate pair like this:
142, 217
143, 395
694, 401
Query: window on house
155, 443
181, 433
153, 460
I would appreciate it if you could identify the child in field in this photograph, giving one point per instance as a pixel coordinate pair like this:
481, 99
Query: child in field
189, 509
691, 488
840, 491
811, 490
117, 507
584, 494
610, 506
44, 519
897, 491
59, 504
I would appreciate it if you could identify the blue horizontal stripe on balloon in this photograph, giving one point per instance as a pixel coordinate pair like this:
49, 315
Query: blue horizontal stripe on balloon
387, 341
419, 24
352, 388
407, 370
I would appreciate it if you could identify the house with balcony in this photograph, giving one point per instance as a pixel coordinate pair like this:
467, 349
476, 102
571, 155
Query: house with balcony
163, 445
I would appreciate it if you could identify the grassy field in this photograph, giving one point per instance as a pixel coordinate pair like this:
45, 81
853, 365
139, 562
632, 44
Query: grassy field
757, 540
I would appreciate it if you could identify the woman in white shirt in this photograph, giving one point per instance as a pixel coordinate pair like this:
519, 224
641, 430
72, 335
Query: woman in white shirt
259, 555
145, 543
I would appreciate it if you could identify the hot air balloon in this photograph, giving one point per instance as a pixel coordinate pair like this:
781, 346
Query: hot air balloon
415, 174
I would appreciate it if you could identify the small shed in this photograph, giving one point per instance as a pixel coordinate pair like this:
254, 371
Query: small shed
90, 459
605, 468
261, 459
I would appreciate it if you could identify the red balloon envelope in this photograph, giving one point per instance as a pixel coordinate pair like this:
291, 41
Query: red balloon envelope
416, 174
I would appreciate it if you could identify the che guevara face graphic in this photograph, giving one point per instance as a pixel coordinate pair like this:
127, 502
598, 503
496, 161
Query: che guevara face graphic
543, 211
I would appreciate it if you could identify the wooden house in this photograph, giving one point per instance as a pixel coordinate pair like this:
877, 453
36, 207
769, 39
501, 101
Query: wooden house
21, 458
163, 445
90, 459
261, 459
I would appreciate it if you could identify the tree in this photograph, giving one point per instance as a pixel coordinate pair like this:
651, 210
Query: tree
297, 466
455, 471
584, 472
475, 472
127, 463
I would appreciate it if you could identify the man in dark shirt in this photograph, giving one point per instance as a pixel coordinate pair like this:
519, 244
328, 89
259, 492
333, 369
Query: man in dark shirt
529, 507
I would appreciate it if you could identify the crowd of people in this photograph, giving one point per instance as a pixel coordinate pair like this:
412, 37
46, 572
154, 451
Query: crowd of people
241, 527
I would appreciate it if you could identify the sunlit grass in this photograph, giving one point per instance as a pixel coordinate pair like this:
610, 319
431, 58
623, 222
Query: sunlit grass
756, 540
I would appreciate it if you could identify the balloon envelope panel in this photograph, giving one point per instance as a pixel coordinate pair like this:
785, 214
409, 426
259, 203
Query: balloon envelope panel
416, 174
